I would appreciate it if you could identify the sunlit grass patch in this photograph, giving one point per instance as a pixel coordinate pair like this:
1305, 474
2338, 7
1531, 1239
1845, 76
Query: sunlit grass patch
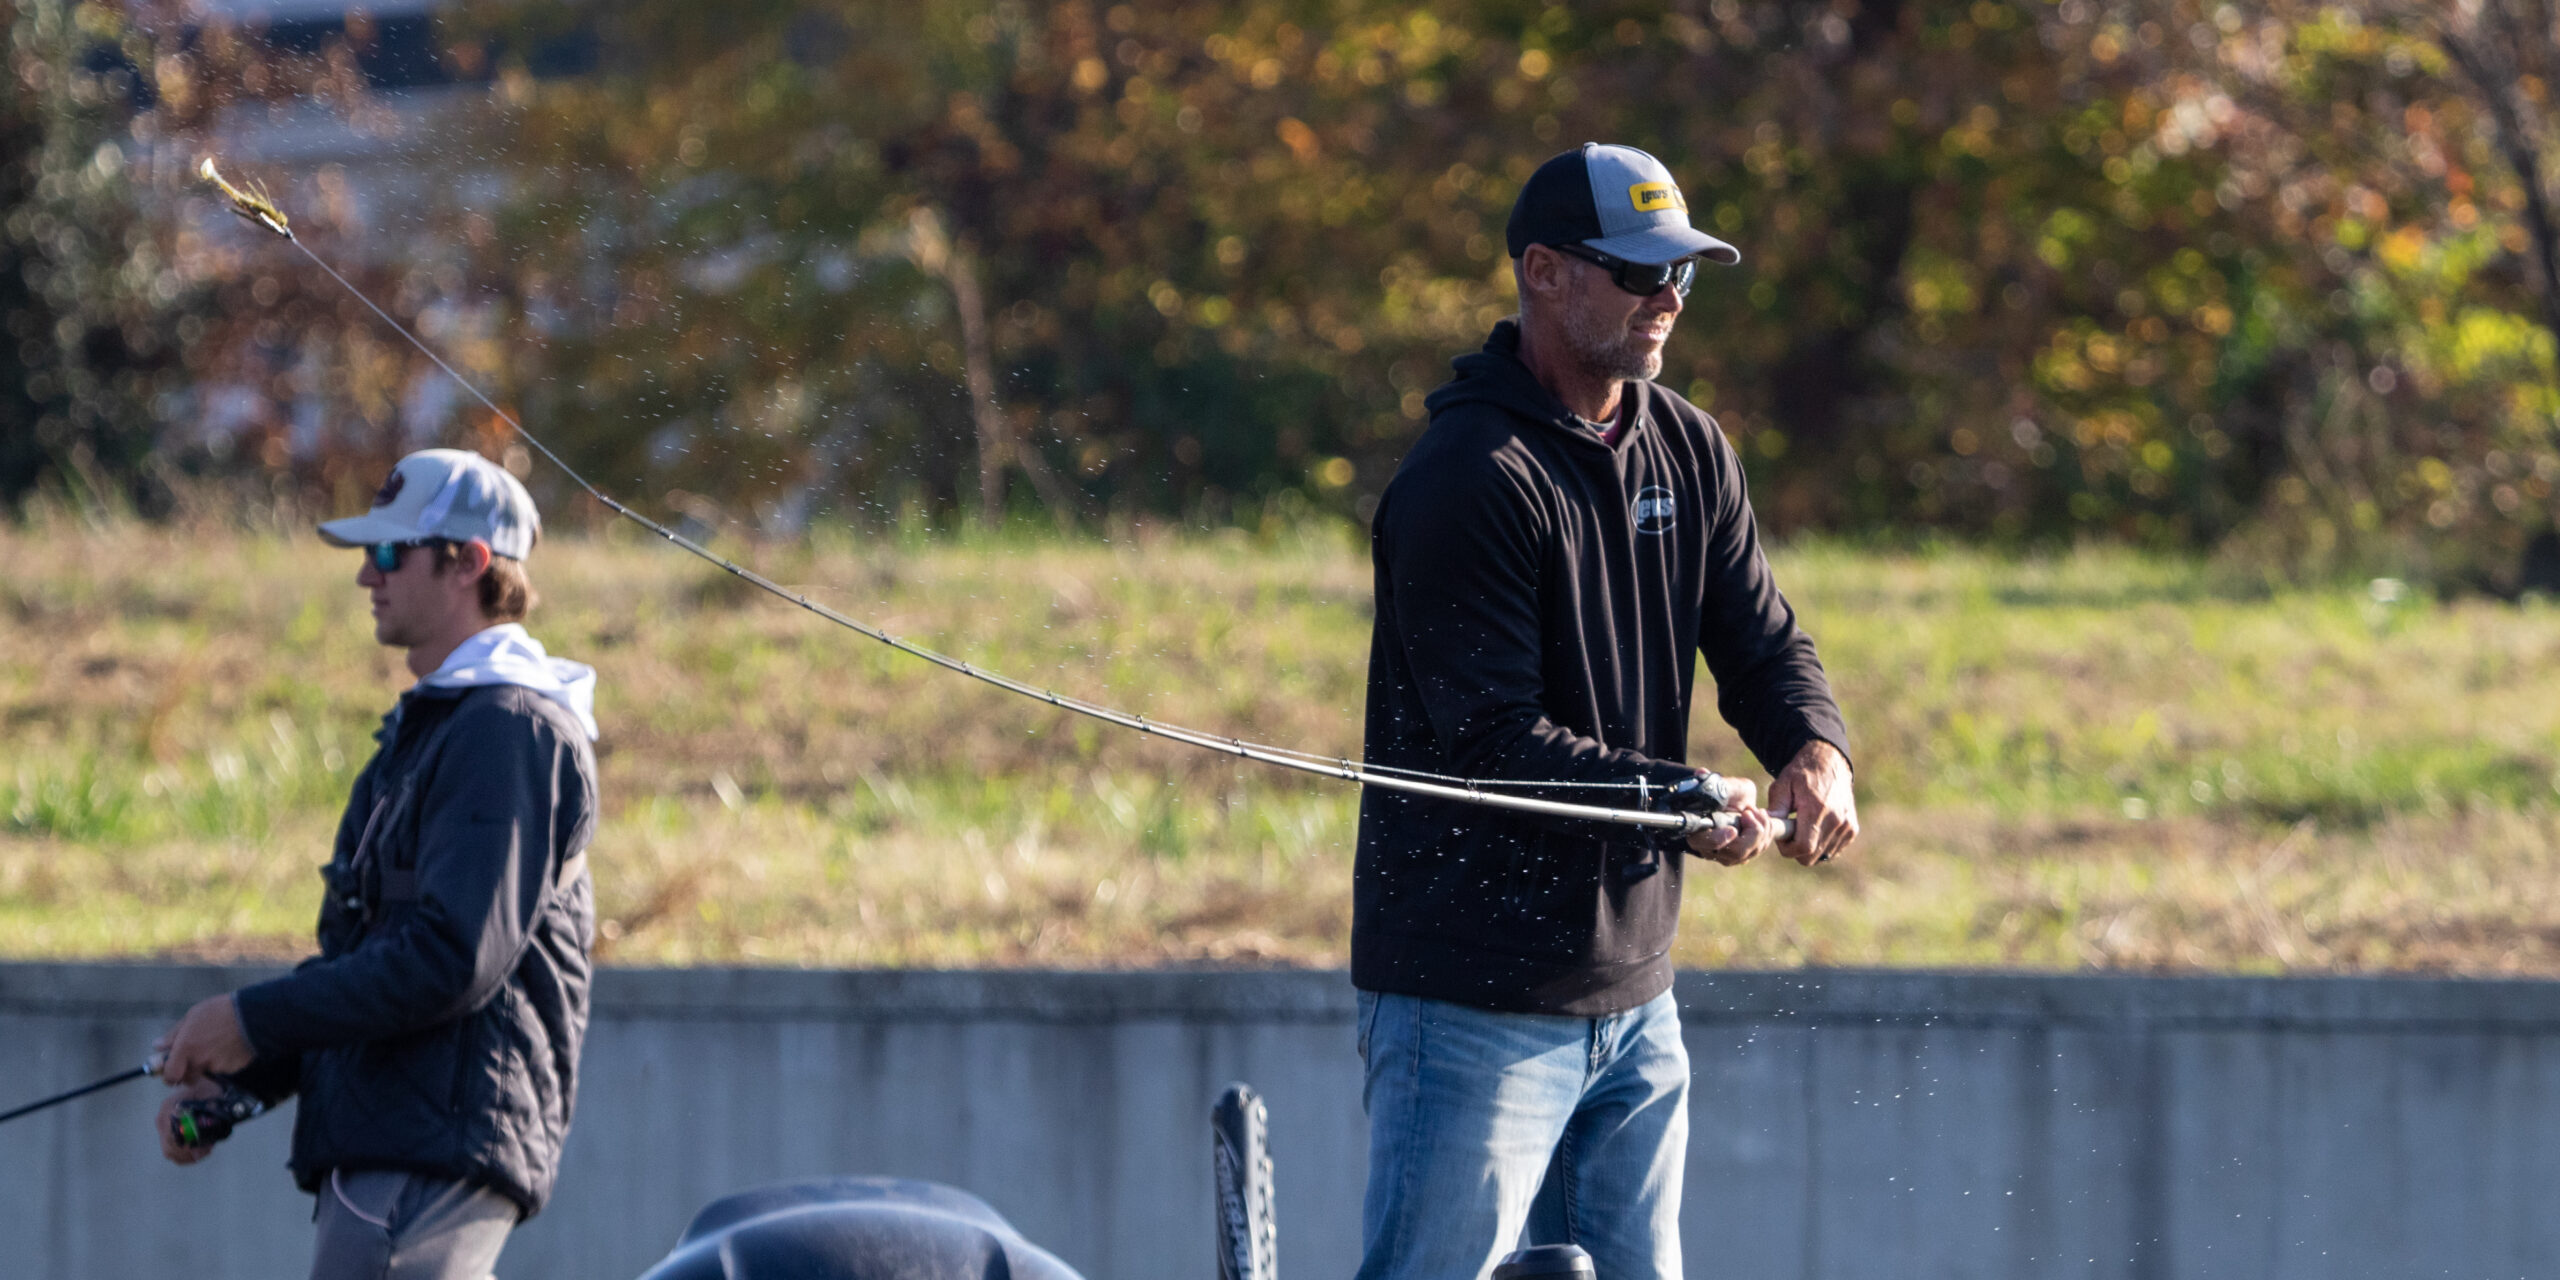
2092, 759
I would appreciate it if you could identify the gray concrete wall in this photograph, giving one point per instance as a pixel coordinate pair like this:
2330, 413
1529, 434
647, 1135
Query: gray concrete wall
1844, 1124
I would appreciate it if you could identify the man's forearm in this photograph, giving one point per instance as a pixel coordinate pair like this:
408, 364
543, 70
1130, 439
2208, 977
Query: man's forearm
272, 1077
1531, 747
1781, 703
402, 979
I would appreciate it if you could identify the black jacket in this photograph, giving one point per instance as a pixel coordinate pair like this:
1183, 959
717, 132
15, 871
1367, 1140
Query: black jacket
438, 1029
1540, 599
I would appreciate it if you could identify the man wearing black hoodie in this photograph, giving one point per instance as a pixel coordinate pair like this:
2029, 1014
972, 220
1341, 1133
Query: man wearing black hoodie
1558, 546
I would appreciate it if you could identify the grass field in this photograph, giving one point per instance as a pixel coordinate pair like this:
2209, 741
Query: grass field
2092, 760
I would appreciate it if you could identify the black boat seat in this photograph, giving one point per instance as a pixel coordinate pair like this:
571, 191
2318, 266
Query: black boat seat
855, 1229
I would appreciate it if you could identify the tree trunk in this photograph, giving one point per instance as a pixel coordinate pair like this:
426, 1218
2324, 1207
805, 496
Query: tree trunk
996, 445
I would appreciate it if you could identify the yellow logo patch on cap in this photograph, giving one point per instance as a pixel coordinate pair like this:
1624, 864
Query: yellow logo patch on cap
1650, 196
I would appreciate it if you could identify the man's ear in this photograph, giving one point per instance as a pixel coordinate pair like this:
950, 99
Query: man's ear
1541, 270
471, 559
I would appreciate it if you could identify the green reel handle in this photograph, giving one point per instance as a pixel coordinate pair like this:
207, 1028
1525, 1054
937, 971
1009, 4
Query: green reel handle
202, 1122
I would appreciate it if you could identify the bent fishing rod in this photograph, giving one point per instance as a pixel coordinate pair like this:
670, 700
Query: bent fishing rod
1693, 806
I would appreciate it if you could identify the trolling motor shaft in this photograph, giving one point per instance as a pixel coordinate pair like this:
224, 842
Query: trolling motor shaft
1240, 1149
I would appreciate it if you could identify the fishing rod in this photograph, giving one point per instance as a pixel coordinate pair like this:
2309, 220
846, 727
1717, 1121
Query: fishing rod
1693, 807
151, 1067
197, 1122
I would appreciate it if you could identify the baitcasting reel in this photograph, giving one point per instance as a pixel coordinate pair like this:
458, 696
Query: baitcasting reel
202, 1122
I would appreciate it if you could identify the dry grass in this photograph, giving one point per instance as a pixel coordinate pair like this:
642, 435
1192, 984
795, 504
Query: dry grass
2095, 760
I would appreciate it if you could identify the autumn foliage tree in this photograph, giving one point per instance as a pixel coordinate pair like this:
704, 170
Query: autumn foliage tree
2274, 278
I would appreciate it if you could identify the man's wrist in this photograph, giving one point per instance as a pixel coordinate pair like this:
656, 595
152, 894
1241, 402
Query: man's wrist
240, 1024
1811, 755
257, 1000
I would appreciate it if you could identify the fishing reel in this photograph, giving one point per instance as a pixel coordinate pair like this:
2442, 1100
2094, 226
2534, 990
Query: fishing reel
1707, 794
1704, 792
202, 1122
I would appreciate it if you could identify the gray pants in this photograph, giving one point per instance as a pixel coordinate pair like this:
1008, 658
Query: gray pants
385, 1225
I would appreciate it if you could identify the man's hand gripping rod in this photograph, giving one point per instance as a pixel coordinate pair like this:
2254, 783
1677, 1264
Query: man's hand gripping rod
1705, 797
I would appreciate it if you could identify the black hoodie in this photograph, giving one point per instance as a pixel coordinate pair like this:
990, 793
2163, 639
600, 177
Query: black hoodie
1540, 595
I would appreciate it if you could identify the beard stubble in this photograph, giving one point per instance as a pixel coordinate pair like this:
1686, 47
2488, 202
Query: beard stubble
1609, 349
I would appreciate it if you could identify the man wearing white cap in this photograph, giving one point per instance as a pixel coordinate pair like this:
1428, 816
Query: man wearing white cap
1556, 552
433, 1042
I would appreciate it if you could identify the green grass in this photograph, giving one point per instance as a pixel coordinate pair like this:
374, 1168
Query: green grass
2106, 680
2094, 759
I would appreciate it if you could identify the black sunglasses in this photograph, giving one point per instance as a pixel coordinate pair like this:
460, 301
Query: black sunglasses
1643, 279
385, 556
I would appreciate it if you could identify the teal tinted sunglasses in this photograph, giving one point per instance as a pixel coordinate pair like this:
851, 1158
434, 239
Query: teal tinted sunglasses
385, 556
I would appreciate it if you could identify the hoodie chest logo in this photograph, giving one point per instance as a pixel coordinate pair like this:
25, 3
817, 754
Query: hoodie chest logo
1656, 510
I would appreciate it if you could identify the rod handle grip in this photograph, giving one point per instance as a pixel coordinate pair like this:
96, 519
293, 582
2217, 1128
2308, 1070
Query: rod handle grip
1782, 824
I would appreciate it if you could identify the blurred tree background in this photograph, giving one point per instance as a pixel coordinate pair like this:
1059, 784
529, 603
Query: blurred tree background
2278, 280
89, 312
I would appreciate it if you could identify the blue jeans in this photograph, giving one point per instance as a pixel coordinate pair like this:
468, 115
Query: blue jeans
1491, 1131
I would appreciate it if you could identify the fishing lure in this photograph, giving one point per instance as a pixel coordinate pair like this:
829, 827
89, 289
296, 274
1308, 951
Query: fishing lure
253, 204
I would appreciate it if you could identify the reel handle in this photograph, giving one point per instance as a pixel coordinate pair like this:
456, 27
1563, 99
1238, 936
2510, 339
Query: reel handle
202, 1122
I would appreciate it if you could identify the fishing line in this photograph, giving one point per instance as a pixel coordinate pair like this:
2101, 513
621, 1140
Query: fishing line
256, 206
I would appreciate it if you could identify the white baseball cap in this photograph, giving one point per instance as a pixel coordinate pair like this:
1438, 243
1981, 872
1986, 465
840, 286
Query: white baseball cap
452, 494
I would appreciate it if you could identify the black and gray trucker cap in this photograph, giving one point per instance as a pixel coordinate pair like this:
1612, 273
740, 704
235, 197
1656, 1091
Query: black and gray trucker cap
1617, 200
